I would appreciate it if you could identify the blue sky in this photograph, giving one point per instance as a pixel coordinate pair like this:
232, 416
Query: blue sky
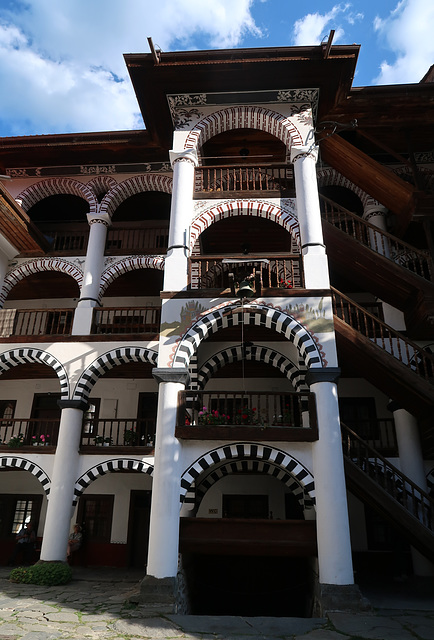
62, 70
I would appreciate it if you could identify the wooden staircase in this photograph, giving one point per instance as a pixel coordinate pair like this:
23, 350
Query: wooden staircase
395, 365
373, 259
383, 487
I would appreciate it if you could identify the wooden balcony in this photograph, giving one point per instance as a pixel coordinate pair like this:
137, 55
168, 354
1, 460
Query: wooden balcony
146, 238
24, 434
221, 415
130, 434
278, 273
115, 321
20, 323
259, 181
248, 537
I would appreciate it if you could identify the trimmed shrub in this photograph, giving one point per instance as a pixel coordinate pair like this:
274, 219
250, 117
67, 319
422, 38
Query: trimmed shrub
46, 573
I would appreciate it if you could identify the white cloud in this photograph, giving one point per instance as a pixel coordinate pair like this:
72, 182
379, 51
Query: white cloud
313, 28
62, 65
408, 33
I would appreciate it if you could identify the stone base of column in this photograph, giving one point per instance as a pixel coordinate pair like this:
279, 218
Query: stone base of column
337, 597
158, 591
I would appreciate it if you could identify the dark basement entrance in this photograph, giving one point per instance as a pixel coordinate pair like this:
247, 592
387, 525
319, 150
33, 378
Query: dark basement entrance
249, 585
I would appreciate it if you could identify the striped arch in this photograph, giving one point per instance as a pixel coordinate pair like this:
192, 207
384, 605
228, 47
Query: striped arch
285, 217
137, 184
255, 353
54, 187
129, 264
242, 457
428, 175
109, 466
15, 357
244, 117
110, 359
101, 185
21, 464
37, 265
331, 177
257, 315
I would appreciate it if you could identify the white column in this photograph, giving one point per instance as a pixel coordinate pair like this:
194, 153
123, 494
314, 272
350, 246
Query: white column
59, 510
333, 531
165, 506
181, 212
376, 215
94, 264
316, 273
411, 462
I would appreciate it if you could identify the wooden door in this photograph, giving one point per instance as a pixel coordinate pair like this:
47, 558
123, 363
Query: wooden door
138, 528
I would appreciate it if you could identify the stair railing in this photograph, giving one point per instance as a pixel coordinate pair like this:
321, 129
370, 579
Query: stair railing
405, 255
397, 345
391, 479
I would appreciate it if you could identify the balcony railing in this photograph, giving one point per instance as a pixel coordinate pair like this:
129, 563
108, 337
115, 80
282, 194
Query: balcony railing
17, 433
35, 322
122, 320
121, 240
213, 272
263, 415
211, 182
120, 432
379, 434
64, 240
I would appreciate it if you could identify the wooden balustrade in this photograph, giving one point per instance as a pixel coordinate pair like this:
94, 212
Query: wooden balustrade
211, 182
213, 272
399, 486
16, 433
126, 320
36, 322
378, 433
137, 239
66, 239
415, 260
118, 432
228, 415
397, 345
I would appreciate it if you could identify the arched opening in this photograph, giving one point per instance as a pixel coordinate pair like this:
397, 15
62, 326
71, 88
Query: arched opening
258, 547
140, 224
131, 303
342, 196
114, 513
29, 309
62, 219
22, 500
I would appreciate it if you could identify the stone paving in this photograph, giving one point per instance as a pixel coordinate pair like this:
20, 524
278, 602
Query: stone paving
96, 605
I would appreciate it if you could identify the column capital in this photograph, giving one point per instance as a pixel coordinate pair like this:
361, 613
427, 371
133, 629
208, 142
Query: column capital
298, 153
394, 406
186, 155
101, 218
73, 404
374, 211
328, 374
171, 374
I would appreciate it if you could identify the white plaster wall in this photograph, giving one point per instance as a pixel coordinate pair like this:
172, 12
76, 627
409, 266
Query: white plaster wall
245, 485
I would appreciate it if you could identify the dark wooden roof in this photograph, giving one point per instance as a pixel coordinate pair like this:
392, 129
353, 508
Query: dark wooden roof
237, 70
17, 227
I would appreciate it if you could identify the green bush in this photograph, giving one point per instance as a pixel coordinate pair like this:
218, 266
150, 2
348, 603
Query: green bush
46, 573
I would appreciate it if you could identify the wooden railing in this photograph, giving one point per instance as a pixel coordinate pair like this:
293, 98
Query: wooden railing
16, 433
377, 433
149, 239
415, 260
36, 322
115, 320
399, 486
72, 240
264, 410
213, 181
407, 352
213, 272
119, 432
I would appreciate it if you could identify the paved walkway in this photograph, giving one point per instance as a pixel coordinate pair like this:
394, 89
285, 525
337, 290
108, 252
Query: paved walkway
95, 605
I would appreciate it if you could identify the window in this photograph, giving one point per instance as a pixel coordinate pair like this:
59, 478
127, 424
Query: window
95, 513
90, 419
16, 511
7, 409
359, 414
